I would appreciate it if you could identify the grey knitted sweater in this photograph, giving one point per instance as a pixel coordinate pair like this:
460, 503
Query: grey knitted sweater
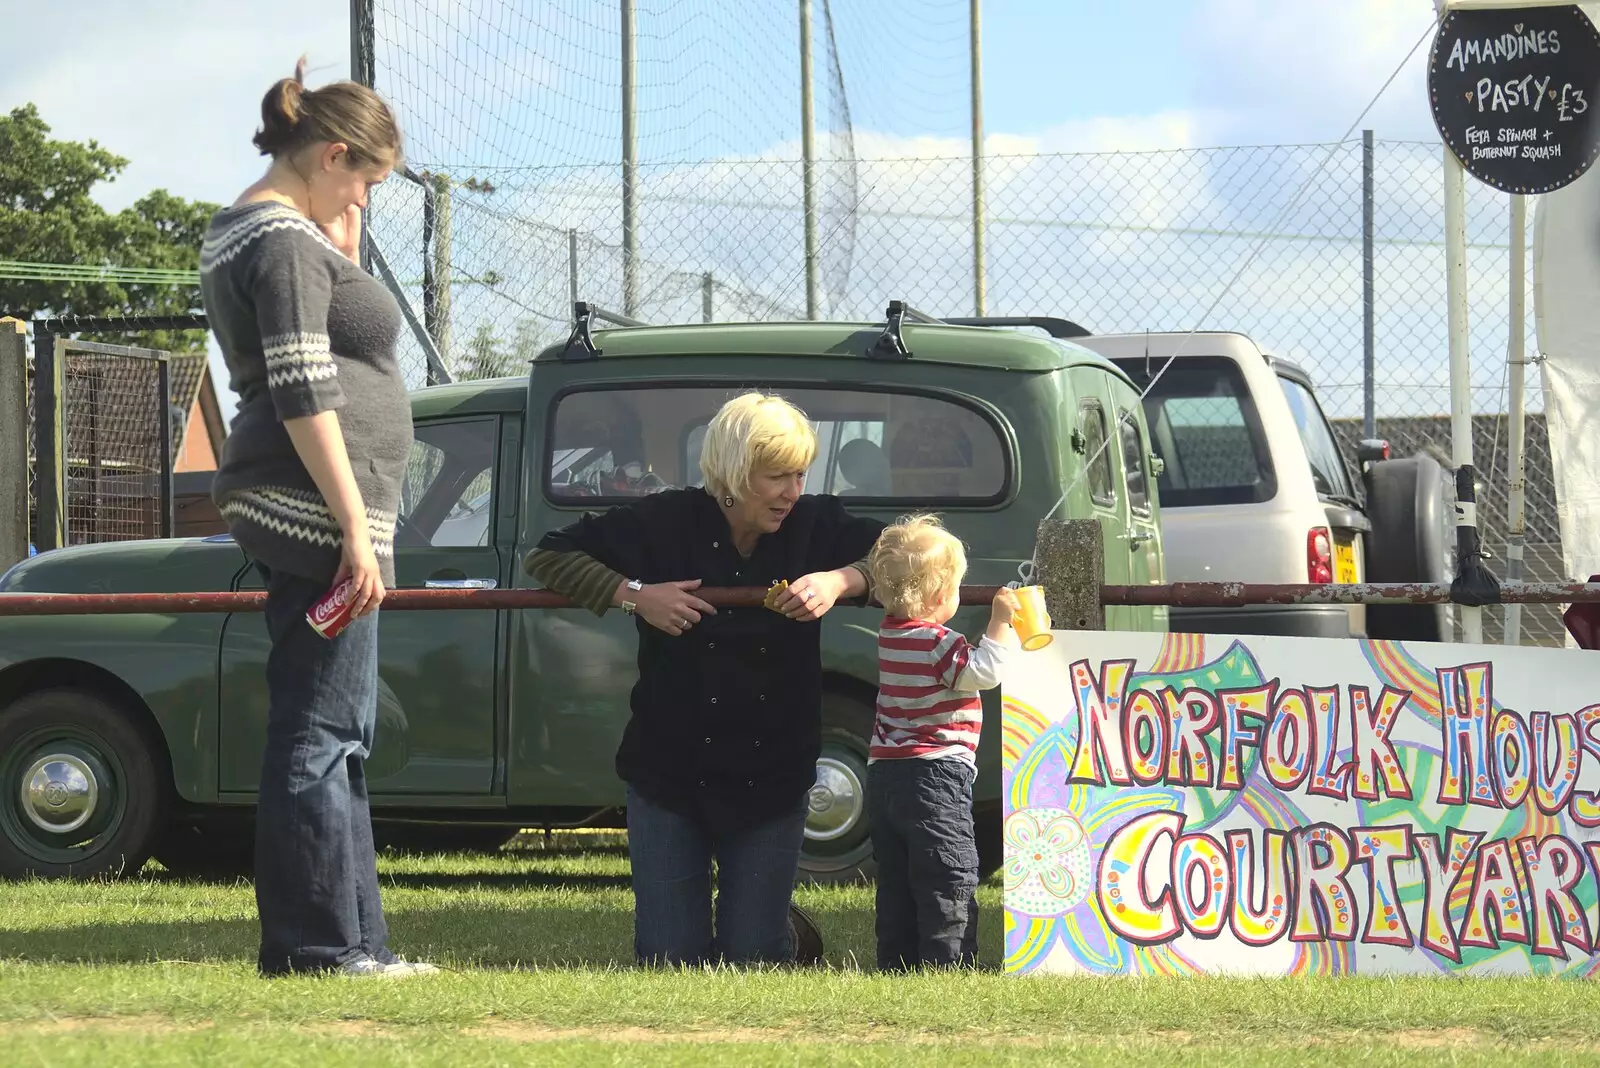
303, 330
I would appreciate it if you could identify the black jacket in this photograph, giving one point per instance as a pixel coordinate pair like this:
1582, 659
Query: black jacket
727, 718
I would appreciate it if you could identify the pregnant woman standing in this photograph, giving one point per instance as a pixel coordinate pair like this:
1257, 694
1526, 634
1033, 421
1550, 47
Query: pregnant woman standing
309, 482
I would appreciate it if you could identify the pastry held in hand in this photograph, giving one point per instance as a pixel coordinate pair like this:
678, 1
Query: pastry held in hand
771, 599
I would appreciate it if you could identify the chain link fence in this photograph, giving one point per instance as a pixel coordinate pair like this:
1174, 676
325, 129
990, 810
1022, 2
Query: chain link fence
1266, 240
105, 425
114, 403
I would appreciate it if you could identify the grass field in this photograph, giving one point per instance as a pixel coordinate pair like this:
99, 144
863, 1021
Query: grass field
156, 971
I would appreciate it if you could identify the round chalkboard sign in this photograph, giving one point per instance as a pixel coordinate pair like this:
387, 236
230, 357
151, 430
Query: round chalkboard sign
1516, 94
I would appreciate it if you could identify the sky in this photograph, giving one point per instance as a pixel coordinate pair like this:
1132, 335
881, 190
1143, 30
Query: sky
176, 89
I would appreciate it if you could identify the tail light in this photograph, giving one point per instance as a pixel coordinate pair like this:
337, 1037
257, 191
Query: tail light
1319, 555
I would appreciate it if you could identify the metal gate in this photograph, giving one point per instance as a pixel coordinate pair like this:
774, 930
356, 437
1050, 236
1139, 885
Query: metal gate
102, 441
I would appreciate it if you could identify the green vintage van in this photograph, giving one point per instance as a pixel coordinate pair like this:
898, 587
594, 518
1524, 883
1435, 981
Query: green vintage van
127, 736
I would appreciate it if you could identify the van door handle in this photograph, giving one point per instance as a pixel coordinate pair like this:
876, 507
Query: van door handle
461, 584
1136, 538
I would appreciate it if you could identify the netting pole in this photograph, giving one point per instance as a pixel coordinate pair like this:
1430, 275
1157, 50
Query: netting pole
572, 270
630, 168
1369, 340
363, 69
707, 297
1516, 460
808, 151
440, 324
980, 281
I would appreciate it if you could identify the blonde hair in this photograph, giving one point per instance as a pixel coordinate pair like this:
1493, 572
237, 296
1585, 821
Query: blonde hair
750, 434
293, 117
915, 565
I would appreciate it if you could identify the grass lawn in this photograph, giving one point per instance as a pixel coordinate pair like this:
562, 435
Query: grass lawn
155, 971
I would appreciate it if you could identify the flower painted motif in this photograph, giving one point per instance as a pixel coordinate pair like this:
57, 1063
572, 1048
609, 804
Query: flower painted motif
1048, 872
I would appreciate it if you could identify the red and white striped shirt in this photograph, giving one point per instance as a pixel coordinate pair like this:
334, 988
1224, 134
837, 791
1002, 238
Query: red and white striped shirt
928, 682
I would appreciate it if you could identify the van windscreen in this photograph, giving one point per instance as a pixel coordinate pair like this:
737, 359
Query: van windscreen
1205, 428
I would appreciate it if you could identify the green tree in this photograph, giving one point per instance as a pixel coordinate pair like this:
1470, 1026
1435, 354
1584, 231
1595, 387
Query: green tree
47, 215
484, 356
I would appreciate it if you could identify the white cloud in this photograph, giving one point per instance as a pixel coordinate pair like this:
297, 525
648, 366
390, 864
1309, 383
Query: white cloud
1270, 70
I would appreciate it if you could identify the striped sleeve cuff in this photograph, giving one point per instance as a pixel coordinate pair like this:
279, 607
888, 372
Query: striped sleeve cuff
576, 575
866, 576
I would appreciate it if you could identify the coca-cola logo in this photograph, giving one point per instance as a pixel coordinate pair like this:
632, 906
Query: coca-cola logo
330, 605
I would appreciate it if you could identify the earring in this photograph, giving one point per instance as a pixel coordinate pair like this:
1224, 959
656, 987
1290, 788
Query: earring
727, 502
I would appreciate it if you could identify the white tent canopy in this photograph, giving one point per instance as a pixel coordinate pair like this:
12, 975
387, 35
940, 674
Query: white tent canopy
1566, 279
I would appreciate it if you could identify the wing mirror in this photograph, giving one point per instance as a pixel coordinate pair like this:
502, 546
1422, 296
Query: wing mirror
1372, 450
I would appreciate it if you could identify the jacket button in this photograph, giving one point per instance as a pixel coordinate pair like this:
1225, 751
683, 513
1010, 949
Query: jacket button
763, 650
752, 782
702, 782
708, 740
714, 700
758, 745
763, 697
711, 645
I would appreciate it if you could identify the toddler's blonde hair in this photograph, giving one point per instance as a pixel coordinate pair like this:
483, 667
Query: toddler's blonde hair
915, 565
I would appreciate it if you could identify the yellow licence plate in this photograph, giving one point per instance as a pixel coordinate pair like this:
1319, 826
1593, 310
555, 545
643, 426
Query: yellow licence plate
1344, 561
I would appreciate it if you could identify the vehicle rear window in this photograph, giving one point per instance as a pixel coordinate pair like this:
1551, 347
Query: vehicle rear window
1205, 427
895, 447
1328, 471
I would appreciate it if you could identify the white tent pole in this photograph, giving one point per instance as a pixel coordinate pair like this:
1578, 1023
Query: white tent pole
1455, 244
1455, 251
1516, 520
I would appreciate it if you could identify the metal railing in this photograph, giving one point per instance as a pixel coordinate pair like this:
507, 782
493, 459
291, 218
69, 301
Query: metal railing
1186, 594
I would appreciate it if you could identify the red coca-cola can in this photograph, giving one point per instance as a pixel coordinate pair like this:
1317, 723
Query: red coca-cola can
331, 613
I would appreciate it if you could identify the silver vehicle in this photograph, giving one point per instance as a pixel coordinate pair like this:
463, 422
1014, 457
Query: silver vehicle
1256, 489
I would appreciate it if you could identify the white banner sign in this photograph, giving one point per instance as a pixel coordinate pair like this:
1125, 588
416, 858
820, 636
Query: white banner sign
1187, 804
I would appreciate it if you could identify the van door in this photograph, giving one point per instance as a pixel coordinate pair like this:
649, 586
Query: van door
1092, 440
1143, 531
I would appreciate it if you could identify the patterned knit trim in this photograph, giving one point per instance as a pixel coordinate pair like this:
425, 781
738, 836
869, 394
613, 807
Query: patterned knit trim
298, 359
303, 516
220, 247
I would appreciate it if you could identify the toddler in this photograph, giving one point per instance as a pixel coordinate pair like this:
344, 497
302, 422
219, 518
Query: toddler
922, 760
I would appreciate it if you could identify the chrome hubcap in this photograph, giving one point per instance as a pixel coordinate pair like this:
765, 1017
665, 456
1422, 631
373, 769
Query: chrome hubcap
836, 802
59, 793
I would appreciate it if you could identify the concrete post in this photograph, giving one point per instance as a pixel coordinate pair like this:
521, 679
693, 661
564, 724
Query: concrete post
14, 418
1069, 562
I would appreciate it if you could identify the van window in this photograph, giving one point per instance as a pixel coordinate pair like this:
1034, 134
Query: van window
1328, 471
895, 447
1134, 462
447, 490
1097, 452
1205, 427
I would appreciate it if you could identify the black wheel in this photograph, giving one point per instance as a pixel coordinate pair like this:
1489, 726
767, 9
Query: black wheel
209, 849
82, 787
441, 838
838, 842
1408, 508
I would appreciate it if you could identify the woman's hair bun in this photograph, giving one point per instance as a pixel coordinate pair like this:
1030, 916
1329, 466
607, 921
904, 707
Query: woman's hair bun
281, 112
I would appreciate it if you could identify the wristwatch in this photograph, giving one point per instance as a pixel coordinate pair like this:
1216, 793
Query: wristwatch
629, 607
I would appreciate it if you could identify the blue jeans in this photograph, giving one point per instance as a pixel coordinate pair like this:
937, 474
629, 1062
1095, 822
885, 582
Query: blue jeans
927, 853
316, 868
671, 856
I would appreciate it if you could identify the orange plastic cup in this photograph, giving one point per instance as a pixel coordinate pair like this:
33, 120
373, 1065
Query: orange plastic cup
1032, 621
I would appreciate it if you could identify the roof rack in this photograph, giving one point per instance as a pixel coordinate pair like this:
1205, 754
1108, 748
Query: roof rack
891, 345
580, 344
1057, 328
